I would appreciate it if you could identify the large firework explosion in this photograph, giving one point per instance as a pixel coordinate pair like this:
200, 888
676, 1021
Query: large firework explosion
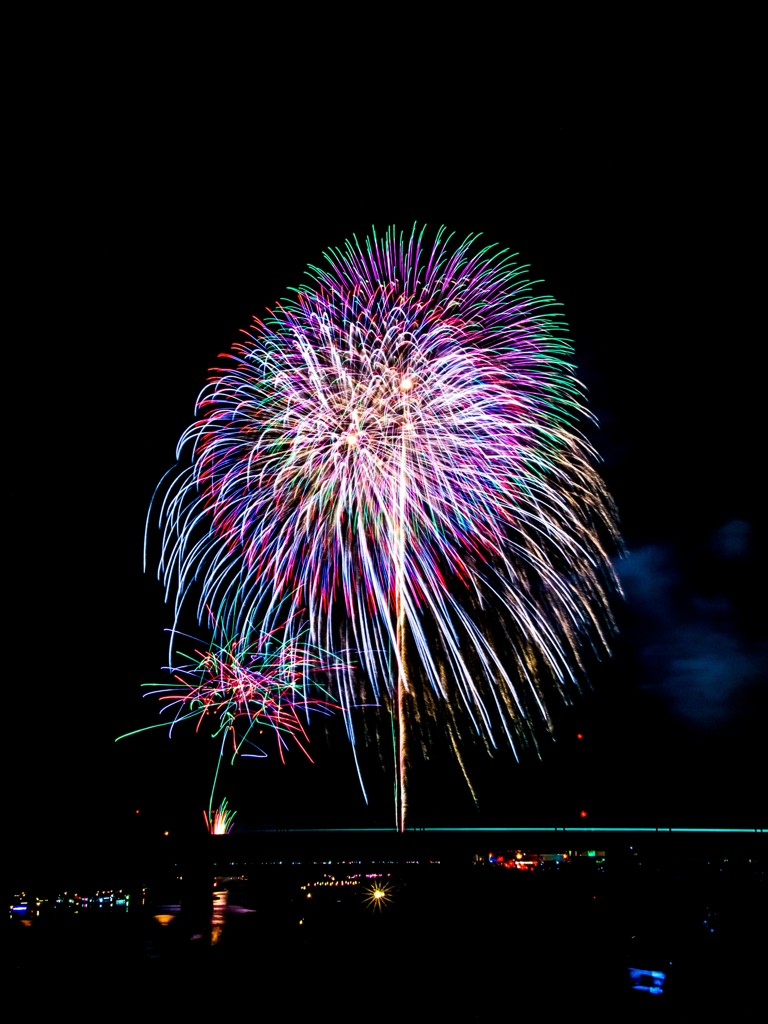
394, 462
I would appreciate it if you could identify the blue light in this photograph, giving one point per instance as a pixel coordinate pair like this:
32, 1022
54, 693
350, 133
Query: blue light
647, 981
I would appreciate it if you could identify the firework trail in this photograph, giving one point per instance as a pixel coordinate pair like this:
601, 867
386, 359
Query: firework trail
395, 462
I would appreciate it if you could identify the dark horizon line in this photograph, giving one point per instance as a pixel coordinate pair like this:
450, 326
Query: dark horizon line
509, 828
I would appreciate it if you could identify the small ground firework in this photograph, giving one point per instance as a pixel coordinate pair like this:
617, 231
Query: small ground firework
221, 821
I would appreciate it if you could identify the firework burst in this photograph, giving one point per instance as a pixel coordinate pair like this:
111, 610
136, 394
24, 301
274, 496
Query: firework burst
395, 462
378, 894
247, 692
249, 688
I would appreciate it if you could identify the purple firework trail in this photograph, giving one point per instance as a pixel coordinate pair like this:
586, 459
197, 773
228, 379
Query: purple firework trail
394, 462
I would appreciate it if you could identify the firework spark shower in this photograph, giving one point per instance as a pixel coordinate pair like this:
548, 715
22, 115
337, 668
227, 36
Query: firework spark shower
394, 465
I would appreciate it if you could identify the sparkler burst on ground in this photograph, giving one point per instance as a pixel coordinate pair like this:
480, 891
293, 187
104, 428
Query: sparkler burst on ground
394, 462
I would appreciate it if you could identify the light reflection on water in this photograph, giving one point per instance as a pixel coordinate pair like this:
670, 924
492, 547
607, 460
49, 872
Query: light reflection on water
219, 915
41, 913
27, 908
583, 932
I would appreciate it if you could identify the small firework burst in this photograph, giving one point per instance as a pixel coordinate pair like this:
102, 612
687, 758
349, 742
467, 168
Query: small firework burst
378, 894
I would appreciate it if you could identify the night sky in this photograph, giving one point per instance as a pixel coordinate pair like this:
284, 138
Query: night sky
171, 224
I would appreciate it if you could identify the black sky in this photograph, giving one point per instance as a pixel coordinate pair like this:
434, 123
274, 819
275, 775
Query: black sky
166, 226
